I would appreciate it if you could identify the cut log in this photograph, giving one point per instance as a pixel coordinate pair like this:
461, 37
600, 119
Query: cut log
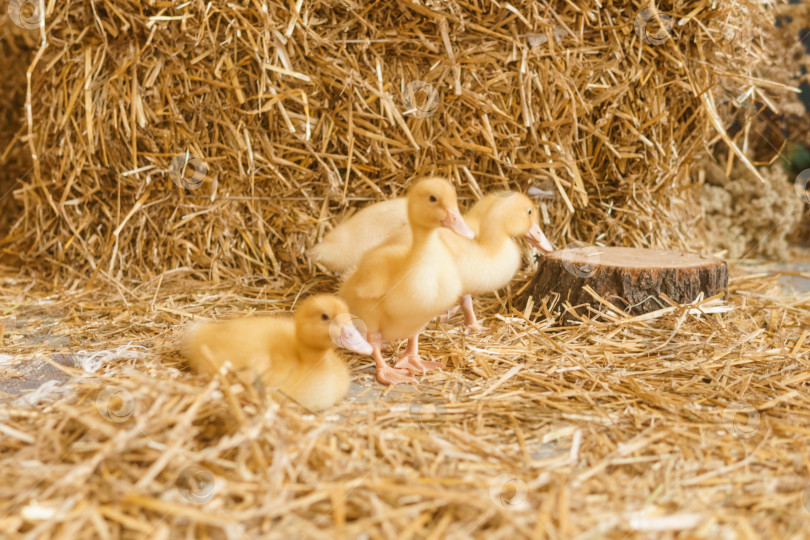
631, 279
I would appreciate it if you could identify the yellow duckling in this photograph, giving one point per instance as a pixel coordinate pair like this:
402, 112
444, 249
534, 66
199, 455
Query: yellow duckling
294, 354
397, 289
491, 260
343, 247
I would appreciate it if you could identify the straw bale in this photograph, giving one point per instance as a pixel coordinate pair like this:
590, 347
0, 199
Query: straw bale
794, 23
745, 217
16, 46
298, 112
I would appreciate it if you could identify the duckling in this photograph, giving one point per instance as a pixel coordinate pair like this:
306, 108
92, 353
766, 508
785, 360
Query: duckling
343, 247
295, 355
398, 288
490, 261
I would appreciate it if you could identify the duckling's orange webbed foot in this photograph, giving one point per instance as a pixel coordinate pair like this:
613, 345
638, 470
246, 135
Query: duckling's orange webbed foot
411, 359
471, 324
385, 373
415, 363
476, 328
390, 376
445, 317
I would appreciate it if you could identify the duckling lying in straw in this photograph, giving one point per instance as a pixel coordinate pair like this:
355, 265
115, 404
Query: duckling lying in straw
486, 264
398, 288
295, 355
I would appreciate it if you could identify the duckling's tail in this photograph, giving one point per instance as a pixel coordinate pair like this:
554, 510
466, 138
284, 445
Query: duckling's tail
333, 255
344, 246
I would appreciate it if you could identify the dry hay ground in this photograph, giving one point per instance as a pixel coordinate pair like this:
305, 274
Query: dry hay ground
616, 428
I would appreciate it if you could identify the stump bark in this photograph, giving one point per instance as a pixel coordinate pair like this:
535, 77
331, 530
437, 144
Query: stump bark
631, 279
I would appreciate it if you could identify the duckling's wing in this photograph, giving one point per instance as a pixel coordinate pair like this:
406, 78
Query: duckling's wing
344, 246
377, 271
241, 342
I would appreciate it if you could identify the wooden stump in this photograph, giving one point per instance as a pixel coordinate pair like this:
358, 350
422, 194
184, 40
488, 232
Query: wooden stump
631, 279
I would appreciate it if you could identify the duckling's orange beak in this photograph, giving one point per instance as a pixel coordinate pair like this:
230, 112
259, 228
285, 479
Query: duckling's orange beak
456, 223
351, 339
536, 238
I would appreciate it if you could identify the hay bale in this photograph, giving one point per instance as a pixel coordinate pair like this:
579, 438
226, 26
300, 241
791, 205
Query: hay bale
16, 50
294, 113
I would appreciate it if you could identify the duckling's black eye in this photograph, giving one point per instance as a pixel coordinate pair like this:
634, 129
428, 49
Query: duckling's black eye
324, 317
433, 199
530, 211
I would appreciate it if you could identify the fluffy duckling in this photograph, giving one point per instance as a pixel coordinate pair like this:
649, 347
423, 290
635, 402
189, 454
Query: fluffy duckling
398, 288
490, 261
343, 247
294, 354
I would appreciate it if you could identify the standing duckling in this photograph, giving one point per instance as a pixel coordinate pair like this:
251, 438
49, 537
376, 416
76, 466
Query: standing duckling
490, 261
343, 247
294, 354
397, 289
